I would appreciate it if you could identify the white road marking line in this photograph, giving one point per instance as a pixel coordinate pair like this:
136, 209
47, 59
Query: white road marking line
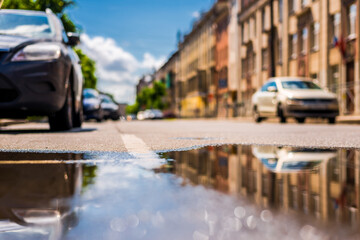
142, 153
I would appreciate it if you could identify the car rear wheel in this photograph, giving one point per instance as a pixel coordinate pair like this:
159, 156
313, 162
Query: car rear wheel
256, 115
332, 120
63, 119
78, 116
300, 120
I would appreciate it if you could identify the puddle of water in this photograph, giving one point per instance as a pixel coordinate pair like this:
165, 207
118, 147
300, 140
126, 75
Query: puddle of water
197, 138
225, 192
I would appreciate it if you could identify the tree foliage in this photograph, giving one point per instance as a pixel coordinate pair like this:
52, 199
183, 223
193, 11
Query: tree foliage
149, 98
88, 68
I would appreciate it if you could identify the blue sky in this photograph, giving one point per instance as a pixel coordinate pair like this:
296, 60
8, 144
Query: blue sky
138, 34
138, 25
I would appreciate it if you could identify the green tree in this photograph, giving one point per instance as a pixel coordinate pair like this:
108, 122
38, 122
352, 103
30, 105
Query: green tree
133, 109
149, 98
89, 176
88, 68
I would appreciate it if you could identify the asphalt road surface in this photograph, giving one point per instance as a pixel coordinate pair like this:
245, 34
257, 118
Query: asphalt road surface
105, 181
175, 134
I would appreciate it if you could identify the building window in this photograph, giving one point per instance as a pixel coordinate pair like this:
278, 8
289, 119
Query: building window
254, 64
223, 83
263, 20
304, 38
280, 52
293, 46
334, 28
244, 68
253, 26
352, 20
292, 6
280, 10
314, 76
242, 33
315, 30
265, 58
333, 78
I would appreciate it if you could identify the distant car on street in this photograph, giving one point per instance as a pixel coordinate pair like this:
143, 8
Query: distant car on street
40, 74
153, 114
92, 105
131, 117
150, 114
140, 115
300, 98
110, 108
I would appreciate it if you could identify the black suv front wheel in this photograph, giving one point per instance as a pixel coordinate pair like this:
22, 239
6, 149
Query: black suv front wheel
63, 119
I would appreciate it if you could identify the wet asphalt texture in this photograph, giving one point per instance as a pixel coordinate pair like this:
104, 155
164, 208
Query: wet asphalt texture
107, 182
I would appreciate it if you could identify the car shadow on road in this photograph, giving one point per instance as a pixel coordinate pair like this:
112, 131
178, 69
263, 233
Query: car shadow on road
42, 131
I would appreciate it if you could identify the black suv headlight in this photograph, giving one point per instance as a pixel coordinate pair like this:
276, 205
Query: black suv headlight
38, 52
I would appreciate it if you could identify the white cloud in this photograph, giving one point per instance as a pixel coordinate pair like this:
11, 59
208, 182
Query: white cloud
195, 14
151, 62
118, 71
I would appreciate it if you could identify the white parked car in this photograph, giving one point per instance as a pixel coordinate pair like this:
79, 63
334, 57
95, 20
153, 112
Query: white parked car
140, 116
153, 114
292, 160
300, 98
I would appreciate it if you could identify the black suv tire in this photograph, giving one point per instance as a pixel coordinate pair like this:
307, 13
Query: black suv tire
63, 119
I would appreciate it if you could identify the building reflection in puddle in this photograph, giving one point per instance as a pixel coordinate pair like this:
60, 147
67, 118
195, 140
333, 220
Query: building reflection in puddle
323, 183
38, 199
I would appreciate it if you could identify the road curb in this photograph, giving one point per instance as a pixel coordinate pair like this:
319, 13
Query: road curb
348, 119
8, 122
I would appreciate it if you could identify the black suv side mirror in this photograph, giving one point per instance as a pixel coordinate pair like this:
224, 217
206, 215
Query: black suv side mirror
73, 39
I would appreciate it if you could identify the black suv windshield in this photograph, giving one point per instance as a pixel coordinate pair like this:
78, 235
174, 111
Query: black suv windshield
298, 85
25, 25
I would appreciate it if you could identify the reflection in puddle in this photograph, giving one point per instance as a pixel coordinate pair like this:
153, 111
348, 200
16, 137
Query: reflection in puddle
39, 197
226, 192
322, 183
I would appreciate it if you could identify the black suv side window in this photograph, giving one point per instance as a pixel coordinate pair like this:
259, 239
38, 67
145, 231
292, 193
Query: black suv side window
64, 36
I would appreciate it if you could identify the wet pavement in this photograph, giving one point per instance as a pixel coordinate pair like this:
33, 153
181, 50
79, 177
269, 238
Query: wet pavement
223, 192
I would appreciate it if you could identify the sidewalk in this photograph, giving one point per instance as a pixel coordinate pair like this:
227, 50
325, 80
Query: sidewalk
349, 119
353, 119
7, 122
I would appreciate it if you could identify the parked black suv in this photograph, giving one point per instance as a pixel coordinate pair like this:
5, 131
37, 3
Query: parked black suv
40, 74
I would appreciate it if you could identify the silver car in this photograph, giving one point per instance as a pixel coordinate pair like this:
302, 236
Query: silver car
300, 98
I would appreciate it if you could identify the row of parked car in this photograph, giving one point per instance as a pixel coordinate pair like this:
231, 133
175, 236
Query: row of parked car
150, 114
99, 106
